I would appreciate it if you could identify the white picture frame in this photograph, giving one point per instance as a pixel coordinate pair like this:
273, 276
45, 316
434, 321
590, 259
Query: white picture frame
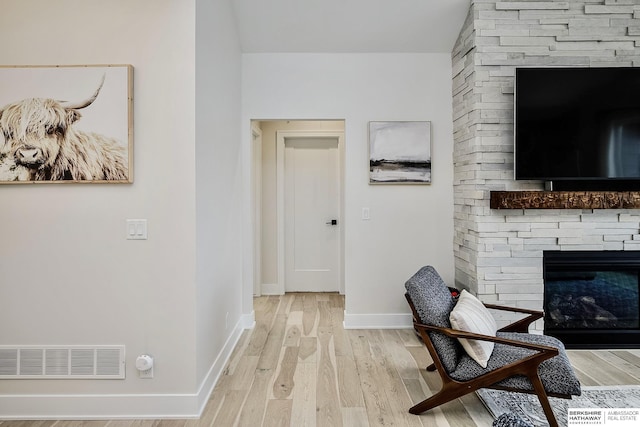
399, 152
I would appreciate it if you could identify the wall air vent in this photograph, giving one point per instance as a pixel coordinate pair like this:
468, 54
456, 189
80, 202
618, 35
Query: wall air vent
62, 362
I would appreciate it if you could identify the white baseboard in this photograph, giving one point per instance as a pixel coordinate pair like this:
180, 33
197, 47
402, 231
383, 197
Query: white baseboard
248, 321
271, 289
123, 406
98, 407
212, 377
378, 321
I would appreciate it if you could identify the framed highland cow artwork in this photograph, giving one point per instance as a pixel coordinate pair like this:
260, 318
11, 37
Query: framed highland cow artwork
399, 152
66, 124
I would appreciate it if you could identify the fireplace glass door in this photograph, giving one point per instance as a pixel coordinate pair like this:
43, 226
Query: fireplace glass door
591, 299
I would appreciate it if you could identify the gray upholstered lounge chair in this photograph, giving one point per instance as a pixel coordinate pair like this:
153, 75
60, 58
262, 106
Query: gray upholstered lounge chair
520, 362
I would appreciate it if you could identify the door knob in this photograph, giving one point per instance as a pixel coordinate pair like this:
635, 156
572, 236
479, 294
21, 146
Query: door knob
332, 222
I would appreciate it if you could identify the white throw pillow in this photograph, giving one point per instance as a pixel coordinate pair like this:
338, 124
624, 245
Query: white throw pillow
470, 315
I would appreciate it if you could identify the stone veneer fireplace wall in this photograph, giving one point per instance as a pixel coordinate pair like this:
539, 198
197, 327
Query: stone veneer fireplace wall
498, 253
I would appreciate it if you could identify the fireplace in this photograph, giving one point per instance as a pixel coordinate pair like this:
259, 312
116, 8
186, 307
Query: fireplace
591, 298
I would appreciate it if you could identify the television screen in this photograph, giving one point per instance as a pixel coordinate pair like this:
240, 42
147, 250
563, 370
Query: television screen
577, 124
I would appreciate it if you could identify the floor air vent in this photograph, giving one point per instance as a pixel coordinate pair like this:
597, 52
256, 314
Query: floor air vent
58, 362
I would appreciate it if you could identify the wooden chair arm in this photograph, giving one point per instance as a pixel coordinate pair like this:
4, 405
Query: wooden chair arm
514, 309
456, 333
521, 325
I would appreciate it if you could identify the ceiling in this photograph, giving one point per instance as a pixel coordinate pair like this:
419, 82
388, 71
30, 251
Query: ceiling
337, 26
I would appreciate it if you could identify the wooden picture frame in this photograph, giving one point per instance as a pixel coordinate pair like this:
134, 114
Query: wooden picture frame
66, 124
400, 152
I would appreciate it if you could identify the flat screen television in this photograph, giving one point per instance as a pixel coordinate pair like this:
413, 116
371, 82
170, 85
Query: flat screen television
578, 128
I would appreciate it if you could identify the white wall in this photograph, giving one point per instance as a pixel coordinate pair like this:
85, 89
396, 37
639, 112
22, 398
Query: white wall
218, 189
67, 274
410, 225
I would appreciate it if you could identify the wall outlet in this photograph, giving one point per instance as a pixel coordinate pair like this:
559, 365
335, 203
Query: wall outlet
144, 365
146, 375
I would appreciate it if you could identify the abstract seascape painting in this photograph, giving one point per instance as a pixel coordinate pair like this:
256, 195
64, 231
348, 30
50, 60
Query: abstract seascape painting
400, 152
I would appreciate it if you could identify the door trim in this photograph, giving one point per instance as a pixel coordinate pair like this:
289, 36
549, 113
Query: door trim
256, 182
280, 145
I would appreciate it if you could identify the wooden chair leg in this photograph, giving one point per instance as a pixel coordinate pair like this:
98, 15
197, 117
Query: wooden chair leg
446, 394
544, 400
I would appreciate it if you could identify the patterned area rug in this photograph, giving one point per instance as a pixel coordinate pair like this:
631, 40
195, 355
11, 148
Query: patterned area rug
528, 407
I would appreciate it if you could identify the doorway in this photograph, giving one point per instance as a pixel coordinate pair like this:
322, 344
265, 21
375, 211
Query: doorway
301, 244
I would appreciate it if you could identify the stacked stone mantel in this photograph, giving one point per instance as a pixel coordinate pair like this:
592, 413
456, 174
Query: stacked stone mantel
498, 253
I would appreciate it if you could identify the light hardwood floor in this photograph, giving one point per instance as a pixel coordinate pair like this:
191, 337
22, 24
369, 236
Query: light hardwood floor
300, 367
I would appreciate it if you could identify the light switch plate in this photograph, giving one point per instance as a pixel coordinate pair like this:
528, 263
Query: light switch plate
366, 214
136, 229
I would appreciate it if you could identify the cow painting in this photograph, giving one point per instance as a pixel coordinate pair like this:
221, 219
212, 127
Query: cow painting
41, 143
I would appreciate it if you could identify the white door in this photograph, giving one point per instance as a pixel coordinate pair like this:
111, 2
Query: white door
311, 214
